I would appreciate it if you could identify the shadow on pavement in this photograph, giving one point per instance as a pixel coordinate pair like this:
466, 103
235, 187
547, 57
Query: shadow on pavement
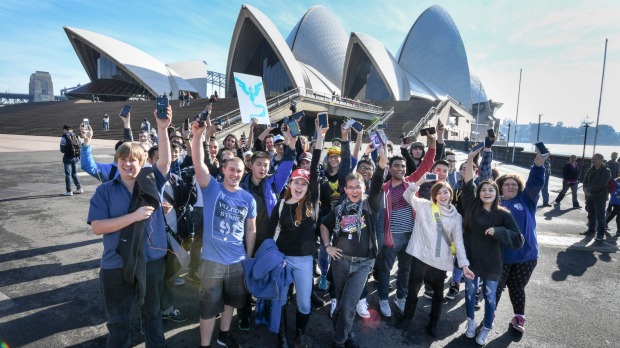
26, 198
576, 261
37, 272
556, 212
24, 254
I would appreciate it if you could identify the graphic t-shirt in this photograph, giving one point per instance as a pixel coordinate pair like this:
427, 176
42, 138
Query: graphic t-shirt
350, 240
224, 215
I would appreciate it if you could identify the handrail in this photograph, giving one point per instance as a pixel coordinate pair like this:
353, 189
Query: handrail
458, 103
381, 119
431, 112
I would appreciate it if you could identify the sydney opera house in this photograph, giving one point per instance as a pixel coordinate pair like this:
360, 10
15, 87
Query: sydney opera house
318, 54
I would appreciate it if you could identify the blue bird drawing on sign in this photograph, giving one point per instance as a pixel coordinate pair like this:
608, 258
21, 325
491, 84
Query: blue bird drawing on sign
252, 92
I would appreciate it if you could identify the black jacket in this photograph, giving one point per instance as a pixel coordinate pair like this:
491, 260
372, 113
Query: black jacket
595, 183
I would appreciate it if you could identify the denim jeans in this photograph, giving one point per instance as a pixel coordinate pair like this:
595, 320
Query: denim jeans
167, 296
596, 215
489, 290
119, 297
301, 267
350, 278
573, 187
71, 172
388, 256
545, 190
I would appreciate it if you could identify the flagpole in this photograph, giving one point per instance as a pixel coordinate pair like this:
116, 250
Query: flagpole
516, 118
600, 97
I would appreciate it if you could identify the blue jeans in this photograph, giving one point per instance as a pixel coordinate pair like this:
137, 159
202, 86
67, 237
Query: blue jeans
323, 260
71, 172
489, 290
350, 278
388, 256
301, 267
565, 186
596, 215
545, 190
119, 297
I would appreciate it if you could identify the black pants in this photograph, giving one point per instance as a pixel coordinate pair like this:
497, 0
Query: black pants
516, 276
418, 275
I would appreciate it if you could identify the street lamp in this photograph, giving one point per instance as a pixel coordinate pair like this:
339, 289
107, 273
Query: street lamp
508, 140
538, 132
586, 124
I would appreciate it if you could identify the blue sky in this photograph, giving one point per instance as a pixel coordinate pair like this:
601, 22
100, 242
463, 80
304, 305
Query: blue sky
558, 44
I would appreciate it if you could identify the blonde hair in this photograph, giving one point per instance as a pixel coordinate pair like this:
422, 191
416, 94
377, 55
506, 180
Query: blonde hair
130, 150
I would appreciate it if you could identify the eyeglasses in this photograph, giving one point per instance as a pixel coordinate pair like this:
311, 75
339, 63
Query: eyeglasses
364, 169
451, 161
509, 185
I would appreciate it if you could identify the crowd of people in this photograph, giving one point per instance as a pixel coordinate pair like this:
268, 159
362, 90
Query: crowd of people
265, 214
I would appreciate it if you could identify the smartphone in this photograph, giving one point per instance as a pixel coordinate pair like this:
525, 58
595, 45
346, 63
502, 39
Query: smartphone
323, 121
542, 149
294, 128
125, 111
408, 140
298, 115
186, 124
491, 133
431, 130
382, 126
374, 139
274, 125
162, 106
284, 123
218, 121
348, 123
358, 126
382, 137
430, 176
86, 129
477, 147
315, 135
203, 118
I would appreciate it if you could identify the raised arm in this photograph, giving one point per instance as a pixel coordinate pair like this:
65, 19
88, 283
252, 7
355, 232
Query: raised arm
127, 135
427, 161
163, 163
202, 172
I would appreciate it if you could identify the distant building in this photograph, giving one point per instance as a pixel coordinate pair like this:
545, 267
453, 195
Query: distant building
41, 87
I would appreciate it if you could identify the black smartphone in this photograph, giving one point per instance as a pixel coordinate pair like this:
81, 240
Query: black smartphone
294, 128
382, 126
296, 116
408, 140
542, 149
430, 176
162, 106
477, 147
274, 125
125, 111
358, 126
203, 118
285, 123
491, 133
431, 130
323, 120
186, 124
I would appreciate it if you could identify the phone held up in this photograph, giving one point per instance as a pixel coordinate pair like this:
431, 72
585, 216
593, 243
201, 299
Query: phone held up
125, 111
323, 120
162, 107
86, 125
542, 149
293, 128
430, 176
477, 147
408, 140
431, 130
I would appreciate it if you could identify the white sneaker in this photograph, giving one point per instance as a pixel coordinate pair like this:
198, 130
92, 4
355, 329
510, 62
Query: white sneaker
179, 281
400, 304
78, 191
362, 308
68, 193
334, 303
471, 328
384, 306
481, 339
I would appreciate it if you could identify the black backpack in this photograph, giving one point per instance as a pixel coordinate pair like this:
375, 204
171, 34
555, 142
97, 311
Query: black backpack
72, 146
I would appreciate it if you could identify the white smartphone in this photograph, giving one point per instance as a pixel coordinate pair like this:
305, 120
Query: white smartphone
86, 129
349, 123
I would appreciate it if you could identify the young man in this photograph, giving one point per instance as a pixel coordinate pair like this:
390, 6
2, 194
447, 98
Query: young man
70, 147
398, 226
229, 215
353, 247
127, 211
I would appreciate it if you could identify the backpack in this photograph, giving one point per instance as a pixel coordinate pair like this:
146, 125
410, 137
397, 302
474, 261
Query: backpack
72, 146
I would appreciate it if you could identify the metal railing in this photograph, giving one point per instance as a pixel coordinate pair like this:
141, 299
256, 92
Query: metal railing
381, 119
429, 115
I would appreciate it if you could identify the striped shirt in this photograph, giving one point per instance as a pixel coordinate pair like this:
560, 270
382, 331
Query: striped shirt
402, 214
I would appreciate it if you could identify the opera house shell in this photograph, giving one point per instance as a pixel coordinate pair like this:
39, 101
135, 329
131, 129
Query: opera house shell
431, 63
119, 71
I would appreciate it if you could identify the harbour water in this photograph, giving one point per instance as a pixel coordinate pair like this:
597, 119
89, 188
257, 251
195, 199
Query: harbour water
573, 149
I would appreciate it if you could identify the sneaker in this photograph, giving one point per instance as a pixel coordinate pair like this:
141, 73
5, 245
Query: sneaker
598, 239
68, 193
588, 233
453, 291
400, 304
175, 316
179, 281
384, 306
607, 227
481, 339
193, 277
244, 324
362, 308
226, 340
518, 323
471, 328
78, 191
323, 283
477, 304
332, 308
428, 293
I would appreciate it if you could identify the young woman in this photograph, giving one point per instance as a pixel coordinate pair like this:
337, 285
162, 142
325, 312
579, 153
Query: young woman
488, 228
437, 225
295, 236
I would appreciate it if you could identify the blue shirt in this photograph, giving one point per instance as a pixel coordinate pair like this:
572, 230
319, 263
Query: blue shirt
111, 200
224, 215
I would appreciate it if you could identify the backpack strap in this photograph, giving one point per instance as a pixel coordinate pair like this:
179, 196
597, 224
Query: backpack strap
437, 218
112, 173
277, 232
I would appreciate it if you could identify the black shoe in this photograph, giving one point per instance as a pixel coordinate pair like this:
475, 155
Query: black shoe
226, 340
351, 343
432, 329
576, 207
243, 324
300, 339
175, 316
317, 300
588, 233
546, 205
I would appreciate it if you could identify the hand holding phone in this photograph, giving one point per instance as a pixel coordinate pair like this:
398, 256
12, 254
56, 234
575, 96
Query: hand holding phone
293, 128
86, 125
348, 124
430, 130
125, 111
297, 116
323, 121
430, 176
162, 107
374, 139
358, 127
476, 147
382, 137
542, 149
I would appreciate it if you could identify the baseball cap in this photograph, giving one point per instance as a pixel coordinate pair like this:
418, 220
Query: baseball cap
278, 138
300, 174
305, 156
334, 150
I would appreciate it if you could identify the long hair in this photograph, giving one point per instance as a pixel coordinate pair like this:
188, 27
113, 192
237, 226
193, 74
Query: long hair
304, 209
470, 214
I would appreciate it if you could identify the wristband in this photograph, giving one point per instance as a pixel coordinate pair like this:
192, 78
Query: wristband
327, 246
